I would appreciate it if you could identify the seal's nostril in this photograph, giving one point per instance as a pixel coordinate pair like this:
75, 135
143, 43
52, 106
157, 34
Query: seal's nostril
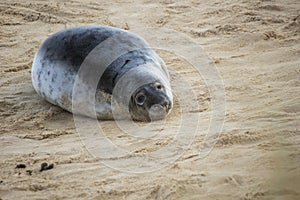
165, 103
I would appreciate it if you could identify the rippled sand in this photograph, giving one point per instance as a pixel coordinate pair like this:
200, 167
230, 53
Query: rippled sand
255, 45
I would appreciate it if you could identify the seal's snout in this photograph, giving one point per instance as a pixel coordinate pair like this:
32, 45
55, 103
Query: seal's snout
157, 112
166, 103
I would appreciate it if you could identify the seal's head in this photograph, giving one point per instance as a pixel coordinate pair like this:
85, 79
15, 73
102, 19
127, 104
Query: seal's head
150, 102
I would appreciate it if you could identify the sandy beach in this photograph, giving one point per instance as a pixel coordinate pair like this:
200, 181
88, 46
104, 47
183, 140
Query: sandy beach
254, 46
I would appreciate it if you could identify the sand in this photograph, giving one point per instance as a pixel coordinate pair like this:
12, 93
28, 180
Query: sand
255, 45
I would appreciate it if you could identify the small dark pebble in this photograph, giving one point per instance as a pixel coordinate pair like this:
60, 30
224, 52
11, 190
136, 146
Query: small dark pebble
45, 166
20, 166
1, 181
29, 172
50, 166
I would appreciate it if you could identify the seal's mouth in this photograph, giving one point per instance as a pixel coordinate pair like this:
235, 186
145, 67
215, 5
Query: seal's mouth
158, 112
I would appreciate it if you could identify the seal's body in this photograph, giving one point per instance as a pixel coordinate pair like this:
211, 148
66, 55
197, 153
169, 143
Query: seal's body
95, 59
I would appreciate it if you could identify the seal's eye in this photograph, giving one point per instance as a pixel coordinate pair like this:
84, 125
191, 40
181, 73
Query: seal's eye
140, 99
158, 86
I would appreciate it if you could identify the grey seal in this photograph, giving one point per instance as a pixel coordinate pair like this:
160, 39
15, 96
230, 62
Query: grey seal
127, 71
